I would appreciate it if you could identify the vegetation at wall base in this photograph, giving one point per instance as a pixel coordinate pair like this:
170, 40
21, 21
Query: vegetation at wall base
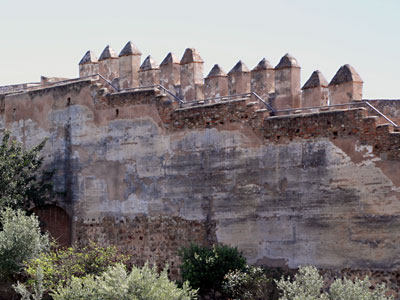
249, 284
116, 283
20, 240
308, 284
205, 267
60, 265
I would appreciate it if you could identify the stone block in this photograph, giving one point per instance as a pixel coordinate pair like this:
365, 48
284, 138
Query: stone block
191, 73
170, 73
88, 64
346, 86
149, 72
287, 83
239, 79
315, 91
263, 79
216, 83
108, 64
129, 65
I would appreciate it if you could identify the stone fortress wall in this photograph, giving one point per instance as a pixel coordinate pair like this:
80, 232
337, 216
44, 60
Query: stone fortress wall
290, 176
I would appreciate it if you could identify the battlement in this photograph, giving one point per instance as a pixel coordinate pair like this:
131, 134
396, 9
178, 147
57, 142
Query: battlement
279, 86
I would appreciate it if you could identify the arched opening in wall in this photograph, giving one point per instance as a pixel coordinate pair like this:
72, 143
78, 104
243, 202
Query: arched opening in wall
56, 222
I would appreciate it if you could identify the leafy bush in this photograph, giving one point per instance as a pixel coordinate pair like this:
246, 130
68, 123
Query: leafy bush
38, 289
275, 273
59, 266
205, 268
20, 241
308, 285
21, 182
358, 290
250, 284
117, 284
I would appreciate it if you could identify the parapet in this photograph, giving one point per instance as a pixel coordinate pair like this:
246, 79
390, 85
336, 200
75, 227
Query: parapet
315, 91
346, 86
263, 79
88, 64
287, 83
129, 65
192, 82
109, 64
170, 73
216, 83
149, 72
239, 79
279, 86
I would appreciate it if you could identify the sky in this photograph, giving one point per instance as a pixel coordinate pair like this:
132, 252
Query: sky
49, 37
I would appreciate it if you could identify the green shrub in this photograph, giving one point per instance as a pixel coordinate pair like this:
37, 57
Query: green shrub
358, 290
20, 241
38, 289
308, 285
117, 284
205, 268
250, 284
59, 266
21, 181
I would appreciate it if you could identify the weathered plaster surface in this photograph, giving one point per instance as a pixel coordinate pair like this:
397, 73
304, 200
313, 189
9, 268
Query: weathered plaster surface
128, 176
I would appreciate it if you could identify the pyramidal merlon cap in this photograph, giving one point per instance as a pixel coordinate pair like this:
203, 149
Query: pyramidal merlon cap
263, 65
346, 73
130, 49
170, 59
191, 56
316, 79
148, 64
88, 58
216, 71
239, 67
287, 61
107, 53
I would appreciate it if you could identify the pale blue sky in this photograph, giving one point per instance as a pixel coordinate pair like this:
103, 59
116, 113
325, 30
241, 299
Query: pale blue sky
49, 38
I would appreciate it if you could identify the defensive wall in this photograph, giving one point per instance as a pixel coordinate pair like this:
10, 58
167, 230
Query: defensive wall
153, 157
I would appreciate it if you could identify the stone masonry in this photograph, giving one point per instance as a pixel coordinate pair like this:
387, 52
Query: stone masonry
308, 177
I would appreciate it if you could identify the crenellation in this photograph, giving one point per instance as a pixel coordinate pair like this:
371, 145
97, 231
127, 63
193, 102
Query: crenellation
279, 86
149, 73
287, 83
108, 64
88, 64
192, 66
263, 79
216, 83
346, 86
170, 73
239, 79
129, 65
315, 91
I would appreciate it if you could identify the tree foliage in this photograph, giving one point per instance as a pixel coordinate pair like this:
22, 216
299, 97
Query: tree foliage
60, 265
118, 284
249, 284
21, 181
308, 285
205, 268
20, 241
